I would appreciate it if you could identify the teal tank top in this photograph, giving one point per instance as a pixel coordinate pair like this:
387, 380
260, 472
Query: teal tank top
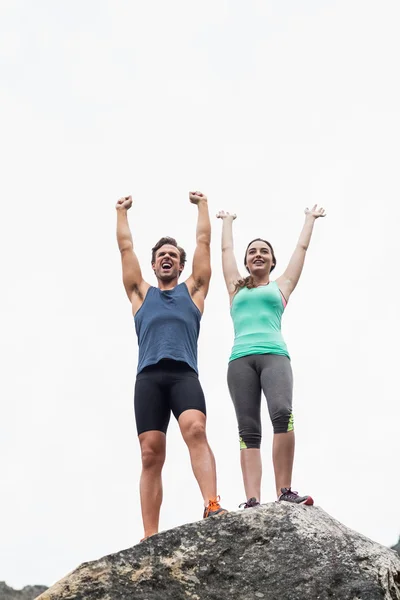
256, 316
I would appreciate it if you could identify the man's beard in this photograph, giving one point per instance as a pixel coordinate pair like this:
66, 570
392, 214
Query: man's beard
168, 275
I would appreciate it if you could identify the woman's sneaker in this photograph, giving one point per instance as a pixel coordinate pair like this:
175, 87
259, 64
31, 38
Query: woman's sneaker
288, 496
213, 508
251, 503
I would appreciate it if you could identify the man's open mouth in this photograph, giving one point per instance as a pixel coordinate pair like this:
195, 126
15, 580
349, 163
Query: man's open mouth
166, 265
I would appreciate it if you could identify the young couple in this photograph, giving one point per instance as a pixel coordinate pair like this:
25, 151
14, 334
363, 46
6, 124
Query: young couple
167, 321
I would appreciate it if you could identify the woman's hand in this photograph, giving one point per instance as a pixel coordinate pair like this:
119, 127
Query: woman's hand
315, 212
225, 215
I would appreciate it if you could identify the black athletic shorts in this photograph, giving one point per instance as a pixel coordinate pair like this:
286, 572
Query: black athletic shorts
168, 385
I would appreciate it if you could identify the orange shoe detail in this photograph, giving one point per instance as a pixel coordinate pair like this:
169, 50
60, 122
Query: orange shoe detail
213, 508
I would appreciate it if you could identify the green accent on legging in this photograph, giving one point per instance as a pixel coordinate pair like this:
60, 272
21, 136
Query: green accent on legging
290, 426
256, 316
242, 444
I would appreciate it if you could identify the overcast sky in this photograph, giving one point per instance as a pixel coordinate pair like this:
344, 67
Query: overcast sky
267, 107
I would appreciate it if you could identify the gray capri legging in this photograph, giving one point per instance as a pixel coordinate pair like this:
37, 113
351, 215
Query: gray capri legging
247, 376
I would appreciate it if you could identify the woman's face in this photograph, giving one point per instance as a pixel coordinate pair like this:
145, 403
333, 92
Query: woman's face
259, 260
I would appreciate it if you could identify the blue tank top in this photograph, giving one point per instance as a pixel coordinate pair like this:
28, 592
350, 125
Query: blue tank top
167, 326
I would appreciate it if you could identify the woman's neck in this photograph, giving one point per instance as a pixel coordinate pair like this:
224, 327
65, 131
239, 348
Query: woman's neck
261, 280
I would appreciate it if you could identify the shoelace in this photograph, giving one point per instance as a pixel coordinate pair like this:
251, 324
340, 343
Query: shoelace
213, 505
291, 493
249, 503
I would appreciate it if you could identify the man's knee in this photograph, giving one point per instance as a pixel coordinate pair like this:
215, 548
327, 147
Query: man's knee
282, 421
152, 456
195, 432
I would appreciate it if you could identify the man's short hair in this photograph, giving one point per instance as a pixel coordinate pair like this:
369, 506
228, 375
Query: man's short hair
171, 242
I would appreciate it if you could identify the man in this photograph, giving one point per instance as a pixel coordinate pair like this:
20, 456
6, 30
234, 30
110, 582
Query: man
167, 322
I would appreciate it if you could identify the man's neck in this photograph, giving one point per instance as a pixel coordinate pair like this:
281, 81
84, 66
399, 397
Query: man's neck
167, 285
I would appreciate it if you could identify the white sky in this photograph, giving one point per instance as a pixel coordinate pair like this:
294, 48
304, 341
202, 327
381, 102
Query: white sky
265, 106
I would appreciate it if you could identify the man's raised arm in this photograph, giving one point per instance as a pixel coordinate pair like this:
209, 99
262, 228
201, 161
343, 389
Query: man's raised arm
131, 272
201, 270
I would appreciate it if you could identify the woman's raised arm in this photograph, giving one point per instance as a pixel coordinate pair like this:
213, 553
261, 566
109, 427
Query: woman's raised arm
229, 266
290, 278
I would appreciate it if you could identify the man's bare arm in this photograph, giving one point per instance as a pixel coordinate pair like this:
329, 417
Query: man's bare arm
131, 272
201, 269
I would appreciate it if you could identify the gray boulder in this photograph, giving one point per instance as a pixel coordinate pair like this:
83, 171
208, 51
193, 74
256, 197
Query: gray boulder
276, 552
30, 592
396, 548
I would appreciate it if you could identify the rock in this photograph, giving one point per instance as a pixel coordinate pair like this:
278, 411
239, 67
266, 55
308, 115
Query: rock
396, 548
27, 593
276, 552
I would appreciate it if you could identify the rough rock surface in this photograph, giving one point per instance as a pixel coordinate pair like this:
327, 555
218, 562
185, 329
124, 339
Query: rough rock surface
396, 548
27, 593
276, 552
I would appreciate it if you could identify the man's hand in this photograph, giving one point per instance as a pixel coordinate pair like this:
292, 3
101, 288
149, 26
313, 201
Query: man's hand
315, 212
225, 215
124, 203
197, 197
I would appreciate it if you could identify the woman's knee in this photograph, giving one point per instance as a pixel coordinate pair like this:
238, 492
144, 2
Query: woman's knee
249, 439
282, 421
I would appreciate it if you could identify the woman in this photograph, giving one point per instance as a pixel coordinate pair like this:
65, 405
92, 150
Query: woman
260, 359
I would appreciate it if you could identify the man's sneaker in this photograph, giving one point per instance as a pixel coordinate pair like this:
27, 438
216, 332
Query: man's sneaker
213, 508
288, 496
251, 503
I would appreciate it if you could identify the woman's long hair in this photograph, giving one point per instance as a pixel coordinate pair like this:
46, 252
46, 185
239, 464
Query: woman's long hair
248, 281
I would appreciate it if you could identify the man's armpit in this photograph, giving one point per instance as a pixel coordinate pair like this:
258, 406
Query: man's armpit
197, 285
136, 290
